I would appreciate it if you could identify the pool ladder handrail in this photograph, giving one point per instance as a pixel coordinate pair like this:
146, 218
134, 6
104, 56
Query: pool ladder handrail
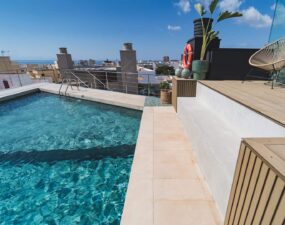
96, 79
70, 81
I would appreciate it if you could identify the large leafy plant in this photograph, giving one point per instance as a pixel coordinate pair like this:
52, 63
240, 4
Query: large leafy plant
209, 34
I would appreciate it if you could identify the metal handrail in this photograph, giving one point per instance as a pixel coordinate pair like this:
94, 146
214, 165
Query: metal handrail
82, 82
95, 78
69, 82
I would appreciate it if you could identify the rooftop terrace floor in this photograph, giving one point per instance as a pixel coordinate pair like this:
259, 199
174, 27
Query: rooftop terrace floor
166, 186
108, 97
254, 95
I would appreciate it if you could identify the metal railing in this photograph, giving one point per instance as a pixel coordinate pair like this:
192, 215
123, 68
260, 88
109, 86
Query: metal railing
126, 82
70, 78
96, 79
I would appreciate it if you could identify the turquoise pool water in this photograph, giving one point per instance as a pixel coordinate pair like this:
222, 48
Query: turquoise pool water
64, 161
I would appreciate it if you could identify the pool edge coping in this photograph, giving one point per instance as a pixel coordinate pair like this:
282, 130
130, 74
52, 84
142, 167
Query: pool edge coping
44, 87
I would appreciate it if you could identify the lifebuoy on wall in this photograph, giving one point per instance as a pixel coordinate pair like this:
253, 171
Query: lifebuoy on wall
187, 56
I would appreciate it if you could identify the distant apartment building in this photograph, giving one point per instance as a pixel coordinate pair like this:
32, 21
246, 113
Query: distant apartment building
83, 63
92, 62
64, 60
50, 74
7, 66
166, 59
108, 63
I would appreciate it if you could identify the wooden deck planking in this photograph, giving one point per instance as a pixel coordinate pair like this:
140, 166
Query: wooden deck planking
254, 95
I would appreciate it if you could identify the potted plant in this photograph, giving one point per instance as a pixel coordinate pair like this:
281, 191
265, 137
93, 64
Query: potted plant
165, 94
201, 67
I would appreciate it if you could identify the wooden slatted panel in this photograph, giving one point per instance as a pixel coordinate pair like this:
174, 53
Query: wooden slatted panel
236, 180
174, 93
239, 186
273, 202
279, 216
182, 88
245, 187
257, 195
268, 186
251, 190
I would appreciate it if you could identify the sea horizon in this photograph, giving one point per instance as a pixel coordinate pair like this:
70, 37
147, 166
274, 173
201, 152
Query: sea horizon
45, 61
35, 61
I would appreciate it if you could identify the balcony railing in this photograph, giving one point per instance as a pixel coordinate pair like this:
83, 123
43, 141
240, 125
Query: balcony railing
133, 83
126, 82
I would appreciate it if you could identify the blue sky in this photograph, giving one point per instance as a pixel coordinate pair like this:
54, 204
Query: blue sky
34, 29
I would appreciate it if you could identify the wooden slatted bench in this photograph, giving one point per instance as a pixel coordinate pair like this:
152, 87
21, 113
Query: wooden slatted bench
257, 194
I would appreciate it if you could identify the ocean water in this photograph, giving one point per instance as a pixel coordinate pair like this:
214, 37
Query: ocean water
48, 62
64, 161
39, 62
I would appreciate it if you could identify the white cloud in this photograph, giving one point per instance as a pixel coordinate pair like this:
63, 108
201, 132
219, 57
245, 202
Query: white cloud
184, 6
251, 15
273, 6
205, 3
230, 5
173, 28
254, 18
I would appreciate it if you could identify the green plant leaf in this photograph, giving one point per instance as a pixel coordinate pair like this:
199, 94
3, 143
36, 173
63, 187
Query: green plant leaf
213, 6
164, 85
213, 36
200, 9
227, 15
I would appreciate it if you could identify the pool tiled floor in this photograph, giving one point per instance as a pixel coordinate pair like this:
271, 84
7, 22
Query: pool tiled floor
166, 186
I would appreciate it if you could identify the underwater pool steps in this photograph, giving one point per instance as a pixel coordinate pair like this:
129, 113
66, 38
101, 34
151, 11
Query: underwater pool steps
20, 157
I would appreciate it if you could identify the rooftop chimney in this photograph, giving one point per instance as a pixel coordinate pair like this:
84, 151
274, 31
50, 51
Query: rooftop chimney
64, 60
128, 46
63, 50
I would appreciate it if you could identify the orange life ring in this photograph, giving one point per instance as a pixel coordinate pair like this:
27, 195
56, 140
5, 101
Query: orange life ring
187, 56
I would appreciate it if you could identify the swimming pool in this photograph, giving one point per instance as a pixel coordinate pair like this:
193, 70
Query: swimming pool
64, 160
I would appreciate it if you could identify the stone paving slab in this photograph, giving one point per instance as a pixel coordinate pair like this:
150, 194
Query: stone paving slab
166, 186
102, 96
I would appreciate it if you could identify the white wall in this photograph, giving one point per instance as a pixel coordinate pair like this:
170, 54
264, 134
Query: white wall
215, 125
17, 81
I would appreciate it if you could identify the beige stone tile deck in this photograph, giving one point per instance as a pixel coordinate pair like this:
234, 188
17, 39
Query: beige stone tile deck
102, 96
19, 91
166, 186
